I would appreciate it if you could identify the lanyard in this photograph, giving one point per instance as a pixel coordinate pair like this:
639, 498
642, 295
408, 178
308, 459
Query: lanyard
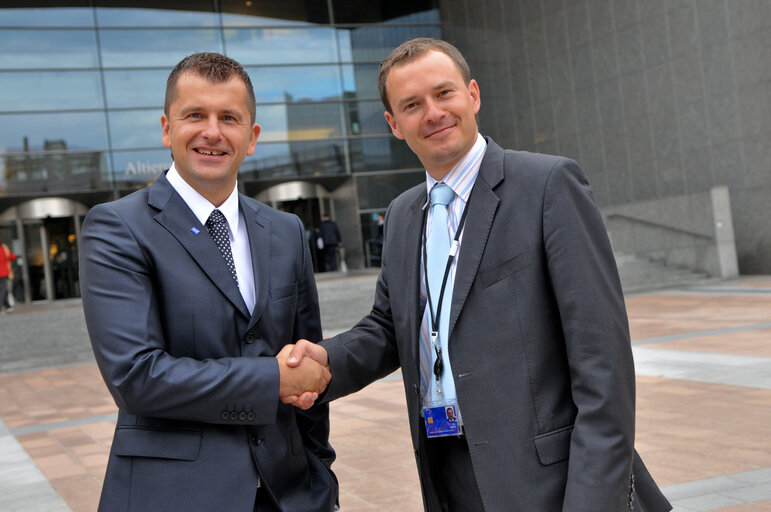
438, 366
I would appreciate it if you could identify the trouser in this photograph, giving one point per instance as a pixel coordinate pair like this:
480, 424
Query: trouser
3, 293
452, 474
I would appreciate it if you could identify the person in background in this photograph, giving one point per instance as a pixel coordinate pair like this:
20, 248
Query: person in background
330, 236
6, 278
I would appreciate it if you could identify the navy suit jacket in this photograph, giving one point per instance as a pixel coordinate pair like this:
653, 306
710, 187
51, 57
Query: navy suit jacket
192, 371
538, 340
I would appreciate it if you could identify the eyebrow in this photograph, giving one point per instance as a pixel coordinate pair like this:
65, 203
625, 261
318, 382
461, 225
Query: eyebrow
437, 87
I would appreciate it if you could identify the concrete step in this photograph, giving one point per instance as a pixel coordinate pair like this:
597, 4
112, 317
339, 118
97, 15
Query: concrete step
638, 274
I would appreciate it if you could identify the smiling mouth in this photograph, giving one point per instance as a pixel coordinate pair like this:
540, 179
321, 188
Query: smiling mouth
439, 131
208, 152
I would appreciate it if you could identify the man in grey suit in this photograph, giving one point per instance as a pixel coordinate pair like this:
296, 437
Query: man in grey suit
534, 360
190, 292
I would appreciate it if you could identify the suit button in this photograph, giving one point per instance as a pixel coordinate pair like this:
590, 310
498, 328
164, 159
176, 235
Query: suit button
250, 338
242, 415
225, 415
256, 441
234, 415
250, 416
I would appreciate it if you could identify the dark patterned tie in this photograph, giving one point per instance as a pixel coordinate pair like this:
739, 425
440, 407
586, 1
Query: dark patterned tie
218, 229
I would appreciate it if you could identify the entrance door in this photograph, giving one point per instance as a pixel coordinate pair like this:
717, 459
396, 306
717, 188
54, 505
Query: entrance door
52, 258
309, 212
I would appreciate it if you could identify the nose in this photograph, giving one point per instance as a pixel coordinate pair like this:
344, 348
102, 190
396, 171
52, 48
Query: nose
211, 130
434, 113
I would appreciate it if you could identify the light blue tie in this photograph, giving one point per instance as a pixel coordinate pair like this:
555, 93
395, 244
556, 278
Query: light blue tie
437, 252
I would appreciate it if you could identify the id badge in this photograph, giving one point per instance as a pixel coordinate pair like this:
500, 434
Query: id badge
442, 420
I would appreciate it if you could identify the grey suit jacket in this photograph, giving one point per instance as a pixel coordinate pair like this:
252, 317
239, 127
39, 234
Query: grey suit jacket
539, 341
192, 371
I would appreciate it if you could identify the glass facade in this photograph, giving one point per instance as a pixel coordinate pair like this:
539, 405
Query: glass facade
83, 86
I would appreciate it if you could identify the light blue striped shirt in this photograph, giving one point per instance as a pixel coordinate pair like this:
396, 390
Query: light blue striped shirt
460, 179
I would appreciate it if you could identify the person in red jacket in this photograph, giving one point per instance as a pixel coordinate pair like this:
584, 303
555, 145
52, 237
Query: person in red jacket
6, 257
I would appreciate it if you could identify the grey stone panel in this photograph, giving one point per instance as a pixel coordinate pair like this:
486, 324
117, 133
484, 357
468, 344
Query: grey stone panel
581, 65
751, 211
634, 93
694, 125
717, 67
561, 77
532, 11
713, 23
544, 121
556, 32
670, 169
728, 164
604, 58
578, 26
535, 41
688, 79
569, 146
660, 86
698, 171
755, 110
641, 161
683, 32
587, 110
649, 9
757, 152
625, 13
565, 121
723, 118
655, 47
666, 136
610, 101
617, 164
540, 82
630, 49
748, 16
752, 58
601, 18
525, 127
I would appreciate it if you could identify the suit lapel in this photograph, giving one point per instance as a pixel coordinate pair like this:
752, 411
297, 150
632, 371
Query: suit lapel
482, 205
258, 228
177, 218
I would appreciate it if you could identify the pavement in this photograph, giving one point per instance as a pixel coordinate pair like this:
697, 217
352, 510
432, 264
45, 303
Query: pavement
703, 364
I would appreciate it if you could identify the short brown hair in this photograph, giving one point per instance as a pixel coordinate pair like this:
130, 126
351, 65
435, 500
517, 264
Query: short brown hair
214, 67
413, 49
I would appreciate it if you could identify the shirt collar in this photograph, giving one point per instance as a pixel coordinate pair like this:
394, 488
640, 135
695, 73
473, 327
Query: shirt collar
201, 206
462, 176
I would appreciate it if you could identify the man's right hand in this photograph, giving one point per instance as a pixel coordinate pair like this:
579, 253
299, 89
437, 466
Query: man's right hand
302, 351
301, 378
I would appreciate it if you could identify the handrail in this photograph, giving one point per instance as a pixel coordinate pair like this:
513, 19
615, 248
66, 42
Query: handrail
661, 226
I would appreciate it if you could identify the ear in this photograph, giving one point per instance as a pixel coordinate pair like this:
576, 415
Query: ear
476, 100
253, 138
165, 135
392, 123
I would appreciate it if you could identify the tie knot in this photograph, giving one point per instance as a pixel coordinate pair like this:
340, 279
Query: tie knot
216, 217
441, 194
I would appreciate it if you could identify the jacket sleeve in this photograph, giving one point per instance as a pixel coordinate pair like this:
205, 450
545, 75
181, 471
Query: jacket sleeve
124, 318
588, 292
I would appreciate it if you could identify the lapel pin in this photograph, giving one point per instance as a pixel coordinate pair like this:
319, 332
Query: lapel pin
195, 230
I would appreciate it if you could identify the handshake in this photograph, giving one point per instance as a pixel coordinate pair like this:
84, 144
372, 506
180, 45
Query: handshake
304, 373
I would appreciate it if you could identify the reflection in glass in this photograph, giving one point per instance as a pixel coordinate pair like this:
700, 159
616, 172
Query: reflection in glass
135, 128
371, 118
281, 45
50, 90
377, 191
28, 49
136, 87
284, 159
373, 44
273, 12
414, 11
196, 13
299, 121
61, 131
155, 47
386, 154
140, 168
54, 171
78, 14
296, 83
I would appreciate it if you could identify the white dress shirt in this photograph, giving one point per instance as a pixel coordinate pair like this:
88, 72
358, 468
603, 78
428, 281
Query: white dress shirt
239, 238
